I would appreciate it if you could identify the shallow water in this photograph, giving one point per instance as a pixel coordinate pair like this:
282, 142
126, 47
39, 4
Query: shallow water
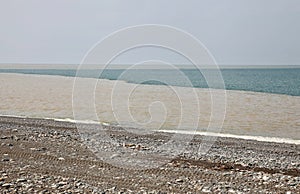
276, 80
151, 106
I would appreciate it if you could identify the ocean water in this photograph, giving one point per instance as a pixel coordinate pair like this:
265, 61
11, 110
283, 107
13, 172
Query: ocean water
277, 81
255, 106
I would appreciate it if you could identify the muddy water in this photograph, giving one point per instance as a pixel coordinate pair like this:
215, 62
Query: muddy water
151, 106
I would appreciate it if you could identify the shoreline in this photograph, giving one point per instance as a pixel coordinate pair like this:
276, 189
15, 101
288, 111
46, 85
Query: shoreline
195, 132
39, 155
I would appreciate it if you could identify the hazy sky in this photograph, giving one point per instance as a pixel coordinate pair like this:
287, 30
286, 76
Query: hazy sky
235, 31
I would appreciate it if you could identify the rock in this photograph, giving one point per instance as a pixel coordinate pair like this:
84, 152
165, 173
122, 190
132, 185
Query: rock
61, 183
42, 149
206, 190
179, 180
114, 156
292, 184
265, 178
111, 189
61, 158
7, 185
14, 130
130, 145
21, 180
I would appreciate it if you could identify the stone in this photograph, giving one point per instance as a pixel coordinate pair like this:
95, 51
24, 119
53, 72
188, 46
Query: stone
61, 183
206, 190
179, 180
14, 130
114, 156
7, 185
42, 149
21, 180
265, 178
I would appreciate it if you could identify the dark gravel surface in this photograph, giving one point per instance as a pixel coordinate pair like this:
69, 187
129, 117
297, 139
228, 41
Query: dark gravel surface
46, 156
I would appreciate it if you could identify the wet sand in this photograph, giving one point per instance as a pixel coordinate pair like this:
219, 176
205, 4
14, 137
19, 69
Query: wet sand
39, 155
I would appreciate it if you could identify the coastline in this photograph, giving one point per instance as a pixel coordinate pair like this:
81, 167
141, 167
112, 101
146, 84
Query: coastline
247, 113
44, 154
194, 132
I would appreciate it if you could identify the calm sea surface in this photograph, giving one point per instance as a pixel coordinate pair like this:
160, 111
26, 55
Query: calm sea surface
146, 101
278, 81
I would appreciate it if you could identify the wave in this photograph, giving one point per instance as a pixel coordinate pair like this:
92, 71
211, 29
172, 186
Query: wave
245, 137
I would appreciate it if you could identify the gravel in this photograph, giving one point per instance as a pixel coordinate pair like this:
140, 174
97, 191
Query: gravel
46, 156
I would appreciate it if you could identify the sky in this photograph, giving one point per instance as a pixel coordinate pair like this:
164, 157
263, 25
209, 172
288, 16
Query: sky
236, 32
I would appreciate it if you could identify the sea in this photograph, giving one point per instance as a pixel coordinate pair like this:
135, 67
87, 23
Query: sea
260, 103
276, 80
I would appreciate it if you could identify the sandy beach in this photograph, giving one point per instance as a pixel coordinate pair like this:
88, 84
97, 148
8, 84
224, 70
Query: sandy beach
39, 155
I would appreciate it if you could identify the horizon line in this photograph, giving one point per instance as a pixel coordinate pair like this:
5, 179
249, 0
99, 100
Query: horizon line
147, 66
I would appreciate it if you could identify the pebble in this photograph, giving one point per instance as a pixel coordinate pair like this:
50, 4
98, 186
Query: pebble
114, 156
265, 178
206, 190
21, 180
61, 184
179, 180
7, 185
14, 130
217, 181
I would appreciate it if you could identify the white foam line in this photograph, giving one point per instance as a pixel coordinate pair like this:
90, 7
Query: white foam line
246, 137
79, 121
68, 120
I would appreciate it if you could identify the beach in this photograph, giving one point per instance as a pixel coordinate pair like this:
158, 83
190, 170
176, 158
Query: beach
136, 138
44, 155
150, 97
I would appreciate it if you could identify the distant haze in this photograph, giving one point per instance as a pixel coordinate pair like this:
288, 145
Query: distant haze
249, 32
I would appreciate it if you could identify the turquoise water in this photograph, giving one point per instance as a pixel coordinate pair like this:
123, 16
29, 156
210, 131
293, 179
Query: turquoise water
278, 81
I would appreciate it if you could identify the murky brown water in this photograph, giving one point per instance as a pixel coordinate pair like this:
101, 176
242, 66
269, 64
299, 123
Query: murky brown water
151, 107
